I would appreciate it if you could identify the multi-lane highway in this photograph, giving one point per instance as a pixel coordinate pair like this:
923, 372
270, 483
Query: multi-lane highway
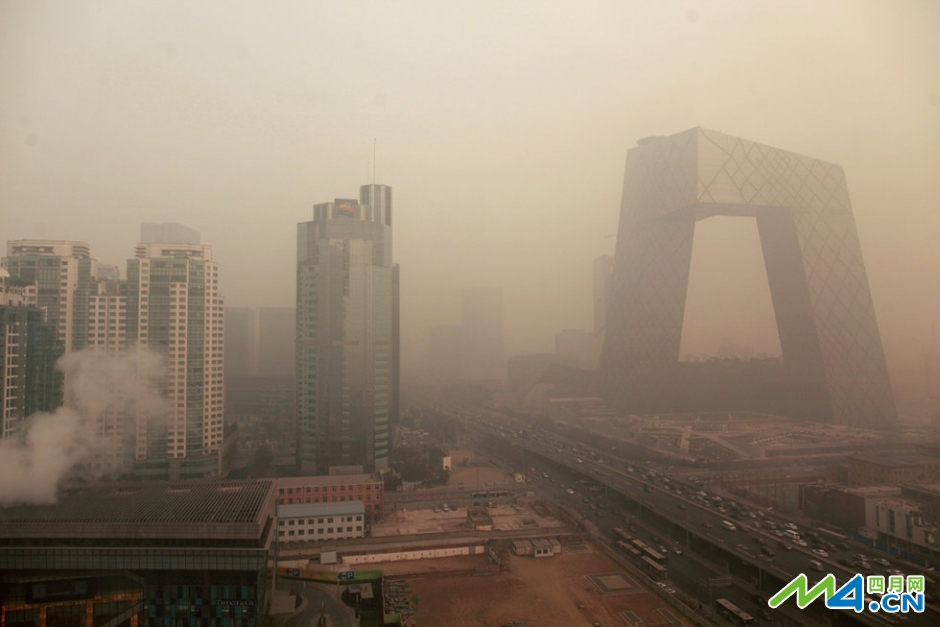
694, 520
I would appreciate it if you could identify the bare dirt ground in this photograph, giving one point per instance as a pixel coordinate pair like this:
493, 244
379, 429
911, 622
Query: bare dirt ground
483, 473
537, 592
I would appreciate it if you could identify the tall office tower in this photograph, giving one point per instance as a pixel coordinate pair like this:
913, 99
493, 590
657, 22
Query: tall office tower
482, 319
168, 233
29, 349
346, 335
241, 342
64, 273
174, 307
833, 367
277, 345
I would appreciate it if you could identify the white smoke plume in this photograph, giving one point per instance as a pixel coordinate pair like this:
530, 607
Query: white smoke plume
105, 398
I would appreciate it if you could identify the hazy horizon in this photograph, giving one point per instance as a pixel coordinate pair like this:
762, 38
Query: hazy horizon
502, 129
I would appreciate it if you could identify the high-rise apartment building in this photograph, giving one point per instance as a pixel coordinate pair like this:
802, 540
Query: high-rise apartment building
63, 272
28, 351
174, 307
347, 336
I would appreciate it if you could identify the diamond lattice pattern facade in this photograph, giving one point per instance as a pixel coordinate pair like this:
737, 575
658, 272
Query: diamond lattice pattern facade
833, 367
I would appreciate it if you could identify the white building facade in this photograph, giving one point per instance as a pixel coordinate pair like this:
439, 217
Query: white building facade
326, 521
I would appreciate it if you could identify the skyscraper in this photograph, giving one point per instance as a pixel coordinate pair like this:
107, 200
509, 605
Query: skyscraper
347, 336
63, 272
833, 367
174, 307
28, 351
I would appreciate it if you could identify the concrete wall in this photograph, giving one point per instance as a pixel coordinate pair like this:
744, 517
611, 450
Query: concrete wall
399, 556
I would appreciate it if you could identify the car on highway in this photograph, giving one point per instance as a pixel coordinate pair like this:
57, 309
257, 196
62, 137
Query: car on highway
881, 561
820, 553
707, 524
767, 551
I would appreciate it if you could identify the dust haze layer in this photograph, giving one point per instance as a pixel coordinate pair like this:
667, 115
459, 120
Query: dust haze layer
502, 129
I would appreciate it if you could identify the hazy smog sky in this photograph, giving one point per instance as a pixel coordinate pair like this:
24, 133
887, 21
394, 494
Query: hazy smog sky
502, 127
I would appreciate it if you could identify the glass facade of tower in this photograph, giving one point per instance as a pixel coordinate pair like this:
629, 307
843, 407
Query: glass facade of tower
347, 336
833, 367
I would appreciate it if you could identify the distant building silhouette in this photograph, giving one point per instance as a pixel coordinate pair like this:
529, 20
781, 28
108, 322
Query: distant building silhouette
833, 367
241, 342
471, 351
168, 233
446, 352
277, 343
347, 340
602, 271
481, 315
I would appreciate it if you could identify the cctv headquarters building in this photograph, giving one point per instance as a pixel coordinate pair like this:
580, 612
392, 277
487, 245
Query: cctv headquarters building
832, 368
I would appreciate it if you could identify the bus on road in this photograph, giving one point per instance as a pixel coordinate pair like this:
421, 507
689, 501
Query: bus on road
654, 555
732, 612
656, 571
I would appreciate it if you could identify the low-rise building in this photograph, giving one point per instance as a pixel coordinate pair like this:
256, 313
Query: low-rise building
842, 506
368, 489
323, 521
892, 469
140, 555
